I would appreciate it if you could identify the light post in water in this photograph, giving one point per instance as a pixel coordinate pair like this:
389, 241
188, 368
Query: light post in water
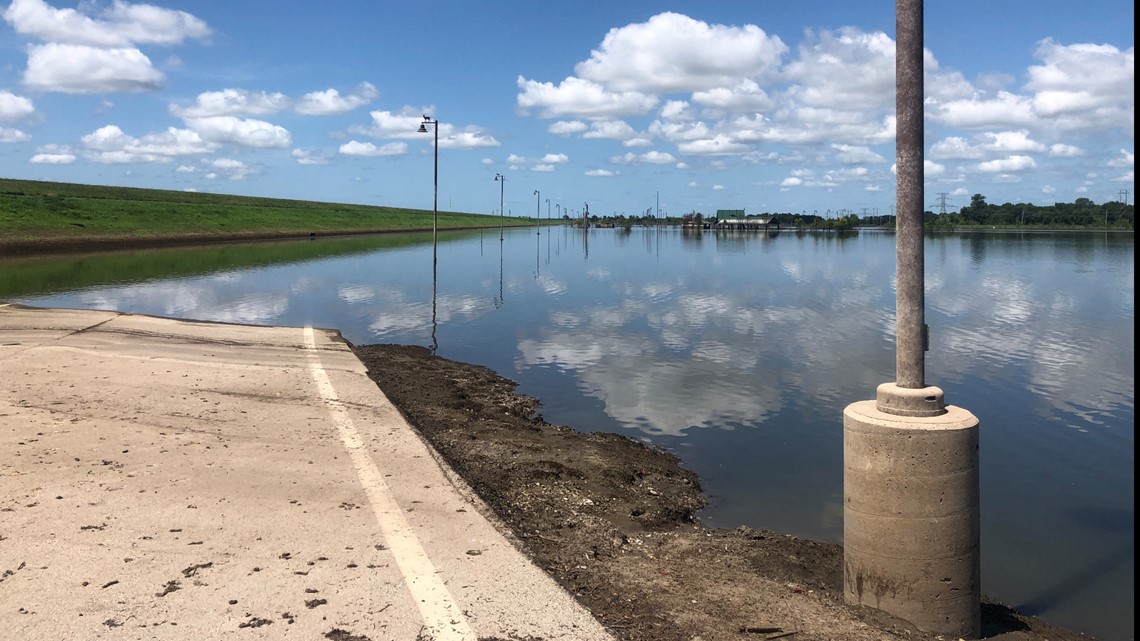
435, 191
502, 180
911, 515
537, 210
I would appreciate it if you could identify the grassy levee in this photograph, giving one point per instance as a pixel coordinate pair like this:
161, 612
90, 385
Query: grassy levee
33, 212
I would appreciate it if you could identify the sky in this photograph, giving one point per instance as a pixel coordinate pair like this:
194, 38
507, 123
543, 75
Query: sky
626, 107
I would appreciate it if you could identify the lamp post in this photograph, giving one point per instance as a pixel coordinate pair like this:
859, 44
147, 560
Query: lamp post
435, 189
502, 180
537, 210
548, 211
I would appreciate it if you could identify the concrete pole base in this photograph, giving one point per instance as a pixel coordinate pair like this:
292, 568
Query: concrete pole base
911, 518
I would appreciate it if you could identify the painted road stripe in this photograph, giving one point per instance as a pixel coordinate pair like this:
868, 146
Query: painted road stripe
442, 617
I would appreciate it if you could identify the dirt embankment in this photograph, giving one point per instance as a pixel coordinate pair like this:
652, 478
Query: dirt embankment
613, 521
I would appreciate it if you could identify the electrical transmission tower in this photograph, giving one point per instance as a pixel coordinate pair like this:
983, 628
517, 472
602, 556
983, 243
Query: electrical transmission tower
942, 202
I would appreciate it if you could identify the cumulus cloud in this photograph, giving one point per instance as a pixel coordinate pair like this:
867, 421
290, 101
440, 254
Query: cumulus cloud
1004, 109
232, 102
356, 148
651, 157
567, 127
53, 159
304, 157
80, 69
14, 108
955, 148
13, 135
121, 25
599, 172
1008, 164
1012, 142
94, 49
244, 132
331, 102
846, 70
854, 154
1092, 83
610, 129
746, 96
578, 97
111, 145
675, 53
1060, 150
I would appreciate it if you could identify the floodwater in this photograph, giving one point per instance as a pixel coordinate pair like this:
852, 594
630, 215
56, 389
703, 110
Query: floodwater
739, 352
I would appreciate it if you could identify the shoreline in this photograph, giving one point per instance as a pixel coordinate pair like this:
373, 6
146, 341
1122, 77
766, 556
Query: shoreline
613, 521
45, 246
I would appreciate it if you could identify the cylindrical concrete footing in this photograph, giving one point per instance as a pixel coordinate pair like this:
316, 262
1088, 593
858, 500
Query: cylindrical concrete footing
911, 521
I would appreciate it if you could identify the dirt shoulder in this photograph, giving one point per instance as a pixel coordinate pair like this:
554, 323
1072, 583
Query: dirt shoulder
612, 520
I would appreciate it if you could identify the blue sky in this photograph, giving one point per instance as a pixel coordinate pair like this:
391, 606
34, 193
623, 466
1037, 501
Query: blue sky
757, 105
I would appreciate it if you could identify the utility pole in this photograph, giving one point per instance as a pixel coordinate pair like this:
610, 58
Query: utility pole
942, 202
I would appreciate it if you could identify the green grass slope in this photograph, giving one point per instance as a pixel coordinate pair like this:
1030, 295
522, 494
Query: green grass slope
46, 211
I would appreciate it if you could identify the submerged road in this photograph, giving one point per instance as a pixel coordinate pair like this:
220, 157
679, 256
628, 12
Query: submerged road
169, 479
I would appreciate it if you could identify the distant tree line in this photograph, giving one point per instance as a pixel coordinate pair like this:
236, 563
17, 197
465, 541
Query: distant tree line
1081, 213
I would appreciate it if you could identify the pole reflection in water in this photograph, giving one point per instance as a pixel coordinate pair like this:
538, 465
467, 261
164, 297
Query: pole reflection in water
499, 301
434, 292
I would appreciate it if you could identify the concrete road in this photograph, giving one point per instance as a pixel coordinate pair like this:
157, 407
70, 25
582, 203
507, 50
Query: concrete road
166, 479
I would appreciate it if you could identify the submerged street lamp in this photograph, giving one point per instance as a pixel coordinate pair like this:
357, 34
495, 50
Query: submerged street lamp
435, 191
502, 180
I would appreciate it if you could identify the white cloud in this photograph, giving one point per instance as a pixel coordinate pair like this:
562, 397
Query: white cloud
577, 97
331, 102
673, 53
230, 168
745, 97
1124, 159
68, 68
719, 144
542, 168
1011, 163
1090, 84
652, 157
232, 102
599, 172
610, 129
304, 157
955, 148
855, 154
13, 135
244, 132
1065, 151
1012, 142
845, 70
14, 108
53, 159
473, 139
567, 127
110, 144
120, 25
355, 148
977, 113
931, 168
555, 158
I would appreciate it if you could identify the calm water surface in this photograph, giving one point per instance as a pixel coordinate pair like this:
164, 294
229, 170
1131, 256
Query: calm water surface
739, 353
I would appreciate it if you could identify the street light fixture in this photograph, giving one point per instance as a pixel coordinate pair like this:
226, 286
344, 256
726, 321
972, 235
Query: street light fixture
435, 191
502, 180
537, 211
